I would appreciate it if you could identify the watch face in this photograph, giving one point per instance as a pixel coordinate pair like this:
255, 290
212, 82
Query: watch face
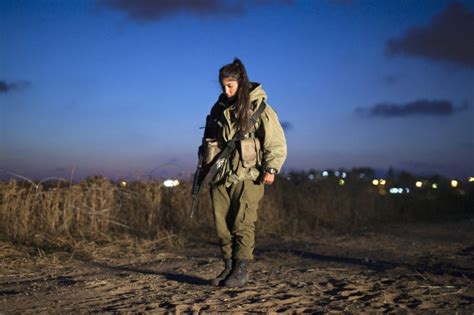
271, 171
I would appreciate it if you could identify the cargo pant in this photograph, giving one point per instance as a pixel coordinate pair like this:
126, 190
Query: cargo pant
235, 214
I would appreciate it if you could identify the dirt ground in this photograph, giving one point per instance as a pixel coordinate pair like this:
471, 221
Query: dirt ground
398, 269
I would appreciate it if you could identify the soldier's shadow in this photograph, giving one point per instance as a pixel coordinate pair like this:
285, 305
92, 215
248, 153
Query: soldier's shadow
185, 278
182, 278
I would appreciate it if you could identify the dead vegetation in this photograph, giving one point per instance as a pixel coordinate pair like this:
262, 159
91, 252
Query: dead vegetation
99, 246
98, 210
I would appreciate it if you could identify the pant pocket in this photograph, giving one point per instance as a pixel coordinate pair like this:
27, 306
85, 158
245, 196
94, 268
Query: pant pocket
249, 214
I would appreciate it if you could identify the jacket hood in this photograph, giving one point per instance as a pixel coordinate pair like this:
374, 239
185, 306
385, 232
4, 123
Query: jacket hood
257, 93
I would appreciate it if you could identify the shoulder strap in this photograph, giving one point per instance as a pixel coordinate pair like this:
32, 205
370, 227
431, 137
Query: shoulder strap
255, 116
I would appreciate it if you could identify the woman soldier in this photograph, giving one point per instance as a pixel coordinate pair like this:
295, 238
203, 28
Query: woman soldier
238, 186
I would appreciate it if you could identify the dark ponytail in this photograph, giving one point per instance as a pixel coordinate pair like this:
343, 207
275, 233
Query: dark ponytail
236, 70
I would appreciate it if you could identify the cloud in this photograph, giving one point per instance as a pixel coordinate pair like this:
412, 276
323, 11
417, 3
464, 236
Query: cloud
6, 87
419, 107
467, 146
342, 2
421, 164
286, 125
423, 167
151, 10
391, 79
449, 37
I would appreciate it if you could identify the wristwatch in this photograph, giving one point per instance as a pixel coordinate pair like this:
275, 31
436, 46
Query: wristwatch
271, 170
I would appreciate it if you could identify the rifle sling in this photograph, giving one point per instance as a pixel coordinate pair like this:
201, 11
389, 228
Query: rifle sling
231, 145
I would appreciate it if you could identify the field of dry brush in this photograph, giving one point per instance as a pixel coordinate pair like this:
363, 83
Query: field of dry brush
103, 247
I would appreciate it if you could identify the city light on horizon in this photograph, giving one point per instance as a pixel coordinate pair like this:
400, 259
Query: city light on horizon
171, 183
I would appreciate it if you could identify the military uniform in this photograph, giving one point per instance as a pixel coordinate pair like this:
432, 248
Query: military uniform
236, 190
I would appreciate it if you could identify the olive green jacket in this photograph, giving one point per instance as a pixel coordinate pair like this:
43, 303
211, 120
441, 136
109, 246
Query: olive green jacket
268, 129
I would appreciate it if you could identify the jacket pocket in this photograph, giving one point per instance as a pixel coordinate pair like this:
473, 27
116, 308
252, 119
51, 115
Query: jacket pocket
250, 152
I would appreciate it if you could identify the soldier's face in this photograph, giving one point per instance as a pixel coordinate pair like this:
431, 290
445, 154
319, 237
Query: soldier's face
229, 86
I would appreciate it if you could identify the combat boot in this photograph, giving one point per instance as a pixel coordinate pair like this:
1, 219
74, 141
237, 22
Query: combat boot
221, 277
239, 275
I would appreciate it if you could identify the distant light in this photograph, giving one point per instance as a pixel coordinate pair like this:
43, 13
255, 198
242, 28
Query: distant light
325, 173
342, 182
123, 183
362, 175
171, 183
344, 175
435, 186
311, 176
454, 183
419, 184
375, 182
399, 190
337, 173
382, 181
471, 179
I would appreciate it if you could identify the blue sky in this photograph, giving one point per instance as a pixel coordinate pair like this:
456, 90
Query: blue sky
120, 88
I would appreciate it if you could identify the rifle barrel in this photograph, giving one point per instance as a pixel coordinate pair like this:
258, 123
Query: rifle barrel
196, 184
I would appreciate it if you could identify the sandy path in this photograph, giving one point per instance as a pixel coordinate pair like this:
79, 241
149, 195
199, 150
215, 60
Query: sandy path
414, 269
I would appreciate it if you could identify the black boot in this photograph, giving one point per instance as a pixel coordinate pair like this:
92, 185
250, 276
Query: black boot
227, 269
239, 275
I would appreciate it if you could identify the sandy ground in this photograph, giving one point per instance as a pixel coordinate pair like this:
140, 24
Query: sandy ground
400, 269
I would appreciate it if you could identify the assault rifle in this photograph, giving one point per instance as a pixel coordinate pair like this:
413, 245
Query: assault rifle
212, 170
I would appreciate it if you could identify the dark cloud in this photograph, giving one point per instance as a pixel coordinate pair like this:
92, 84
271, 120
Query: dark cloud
423, 168
421, 165
467, 145
419, 107
6, 87
449, 37
391, 79
342, 2
286, 125
150, 10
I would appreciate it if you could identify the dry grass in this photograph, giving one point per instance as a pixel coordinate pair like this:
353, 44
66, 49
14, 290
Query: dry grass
97, 210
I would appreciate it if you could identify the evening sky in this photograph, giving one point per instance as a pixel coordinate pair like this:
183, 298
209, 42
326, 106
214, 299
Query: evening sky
121, 88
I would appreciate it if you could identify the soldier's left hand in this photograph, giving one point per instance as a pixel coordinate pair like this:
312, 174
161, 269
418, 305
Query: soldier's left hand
268, 178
